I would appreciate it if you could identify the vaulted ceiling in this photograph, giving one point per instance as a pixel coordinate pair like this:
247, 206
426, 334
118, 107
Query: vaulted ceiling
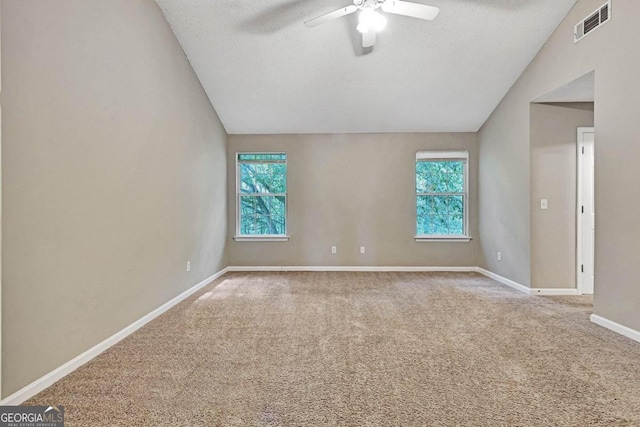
265, 72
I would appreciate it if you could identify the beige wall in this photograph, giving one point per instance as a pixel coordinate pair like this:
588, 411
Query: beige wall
505, 145
114, 175
553, 177
352, 190
0, 201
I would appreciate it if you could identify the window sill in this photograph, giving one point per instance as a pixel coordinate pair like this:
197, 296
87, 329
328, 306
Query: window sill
261, 238
444, 239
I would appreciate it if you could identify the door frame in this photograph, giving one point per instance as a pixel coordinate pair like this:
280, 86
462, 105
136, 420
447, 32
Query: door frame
579, 216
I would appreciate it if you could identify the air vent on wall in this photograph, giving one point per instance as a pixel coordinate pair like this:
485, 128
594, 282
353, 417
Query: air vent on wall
601, 16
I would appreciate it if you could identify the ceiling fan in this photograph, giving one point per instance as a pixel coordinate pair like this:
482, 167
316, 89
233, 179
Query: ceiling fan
371, 21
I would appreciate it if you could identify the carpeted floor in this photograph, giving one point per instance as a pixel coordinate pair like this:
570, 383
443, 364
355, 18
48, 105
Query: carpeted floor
361, 349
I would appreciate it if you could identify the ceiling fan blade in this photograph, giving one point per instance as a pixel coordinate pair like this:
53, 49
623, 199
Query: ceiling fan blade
414, 10
331, 16
368, 39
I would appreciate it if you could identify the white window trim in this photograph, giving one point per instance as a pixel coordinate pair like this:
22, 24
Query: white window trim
442, 155
443, 239
446, 155
262, 237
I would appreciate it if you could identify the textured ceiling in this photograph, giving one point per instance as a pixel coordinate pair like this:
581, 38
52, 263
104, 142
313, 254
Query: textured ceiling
265, 72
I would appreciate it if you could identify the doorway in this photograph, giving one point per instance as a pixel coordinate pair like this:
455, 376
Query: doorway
586, 210
562, 237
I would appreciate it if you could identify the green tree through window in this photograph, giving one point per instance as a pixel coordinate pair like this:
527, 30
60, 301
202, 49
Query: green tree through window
441, 193
262, 194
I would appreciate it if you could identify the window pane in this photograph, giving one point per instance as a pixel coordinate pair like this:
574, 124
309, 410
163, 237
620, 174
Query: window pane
456, 177
423, 178
262, 215
440, 176
442, 215
263, 177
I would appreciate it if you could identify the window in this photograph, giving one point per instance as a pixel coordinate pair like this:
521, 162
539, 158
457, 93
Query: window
441, 195
261, 196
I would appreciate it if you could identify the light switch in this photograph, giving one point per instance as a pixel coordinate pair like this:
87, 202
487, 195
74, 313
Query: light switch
543, 204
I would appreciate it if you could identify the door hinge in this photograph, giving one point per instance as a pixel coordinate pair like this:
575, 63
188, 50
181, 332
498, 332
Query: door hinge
582, 150
582, 268
583, 209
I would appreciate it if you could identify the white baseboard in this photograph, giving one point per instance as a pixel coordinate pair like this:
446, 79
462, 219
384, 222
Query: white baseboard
616, 327
504, 280
554, 291
40, 384
348, 268
526, 289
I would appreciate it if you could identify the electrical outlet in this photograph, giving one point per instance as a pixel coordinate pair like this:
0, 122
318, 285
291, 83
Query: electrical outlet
188, 266
544, 204
361, 249
334, 249
499, 256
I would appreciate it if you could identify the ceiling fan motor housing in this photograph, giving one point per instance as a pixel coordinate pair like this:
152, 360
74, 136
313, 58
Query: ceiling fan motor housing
373, 4
370, 21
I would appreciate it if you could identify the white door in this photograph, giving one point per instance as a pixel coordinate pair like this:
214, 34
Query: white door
586, 210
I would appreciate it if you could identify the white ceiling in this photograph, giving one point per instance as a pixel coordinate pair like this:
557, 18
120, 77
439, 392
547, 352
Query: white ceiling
265, 72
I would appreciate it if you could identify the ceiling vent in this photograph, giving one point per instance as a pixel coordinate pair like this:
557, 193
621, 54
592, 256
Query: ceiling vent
601, 16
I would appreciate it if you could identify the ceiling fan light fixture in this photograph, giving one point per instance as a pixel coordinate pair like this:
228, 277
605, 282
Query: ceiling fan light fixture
370, 20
